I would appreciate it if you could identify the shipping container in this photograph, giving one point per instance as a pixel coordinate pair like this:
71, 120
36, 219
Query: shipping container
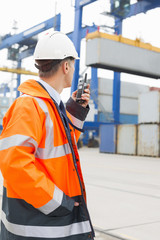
127, 105
131, 90
108, 138
105, 103
127, 139
92, 112
105, 86
123, 118
154, 89
128, 102
100, 53
149, 107
148, 140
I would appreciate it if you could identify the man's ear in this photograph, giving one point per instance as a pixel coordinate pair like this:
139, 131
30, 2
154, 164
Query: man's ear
65, 67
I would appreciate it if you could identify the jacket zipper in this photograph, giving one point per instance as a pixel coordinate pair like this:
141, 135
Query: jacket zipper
75, 164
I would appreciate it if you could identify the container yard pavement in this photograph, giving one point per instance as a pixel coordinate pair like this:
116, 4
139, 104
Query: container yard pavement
123, 195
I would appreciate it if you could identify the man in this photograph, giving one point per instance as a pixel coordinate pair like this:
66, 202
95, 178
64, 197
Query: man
44, 193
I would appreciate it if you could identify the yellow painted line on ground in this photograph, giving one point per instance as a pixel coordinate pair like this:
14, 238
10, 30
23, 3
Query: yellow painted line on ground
127, 237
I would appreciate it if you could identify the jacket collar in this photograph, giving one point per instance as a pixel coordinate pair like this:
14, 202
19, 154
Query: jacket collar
52, 92
31, 87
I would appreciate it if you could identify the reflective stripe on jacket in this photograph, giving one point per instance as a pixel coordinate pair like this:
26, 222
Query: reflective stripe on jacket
41, 169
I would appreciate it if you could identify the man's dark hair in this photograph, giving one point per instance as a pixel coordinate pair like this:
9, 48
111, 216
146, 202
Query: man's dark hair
49, 67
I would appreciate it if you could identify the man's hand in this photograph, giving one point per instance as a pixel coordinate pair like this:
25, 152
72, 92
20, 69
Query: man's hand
76, 204
85, 96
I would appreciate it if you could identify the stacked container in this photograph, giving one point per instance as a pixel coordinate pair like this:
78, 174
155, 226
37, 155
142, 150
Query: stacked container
128, 100
121, 139
127, 139
149, 124
142, 139
108, 137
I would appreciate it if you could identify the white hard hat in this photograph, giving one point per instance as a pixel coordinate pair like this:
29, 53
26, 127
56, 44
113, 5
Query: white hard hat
55, 45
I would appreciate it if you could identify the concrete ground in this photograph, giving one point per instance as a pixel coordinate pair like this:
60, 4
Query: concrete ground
123, 195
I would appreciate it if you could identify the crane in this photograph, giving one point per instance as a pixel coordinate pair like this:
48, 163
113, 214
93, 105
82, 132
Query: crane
26, 39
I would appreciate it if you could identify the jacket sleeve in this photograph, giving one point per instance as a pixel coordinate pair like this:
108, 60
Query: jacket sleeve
20, 138
78, 114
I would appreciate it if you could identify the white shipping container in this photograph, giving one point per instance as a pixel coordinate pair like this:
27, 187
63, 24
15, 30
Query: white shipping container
105, 86
105, 103
127, 105
131, 90
149, 107
130, 59
126, 139
92, 112
148, 140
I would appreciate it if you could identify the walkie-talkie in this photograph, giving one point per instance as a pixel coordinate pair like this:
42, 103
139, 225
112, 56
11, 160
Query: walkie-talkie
82, 84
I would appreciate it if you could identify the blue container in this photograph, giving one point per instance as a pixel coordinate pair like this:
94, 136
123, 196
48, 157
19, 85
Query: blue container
124, 118
108, 138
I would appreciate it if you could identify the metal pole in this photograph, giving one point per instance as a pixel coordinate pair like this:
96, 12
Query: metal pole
77, 42
117, 83
94, 89
18, 79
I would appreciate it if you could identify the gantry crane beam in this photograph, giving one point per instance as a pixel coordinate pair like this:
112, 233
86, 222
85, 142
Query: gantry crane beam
18, 71
21, 37
142, 7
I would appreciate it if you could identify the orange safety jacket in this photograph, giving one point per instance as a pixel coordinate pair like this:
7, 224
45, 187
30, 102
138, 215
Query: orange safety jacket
40, 165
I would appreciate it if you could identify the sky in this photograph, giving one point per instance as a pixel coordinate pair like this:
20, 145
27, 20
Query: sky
31, 12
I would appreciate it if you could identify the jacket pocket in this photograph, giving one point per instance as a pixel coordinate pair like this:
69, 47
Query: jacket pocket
65, 208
